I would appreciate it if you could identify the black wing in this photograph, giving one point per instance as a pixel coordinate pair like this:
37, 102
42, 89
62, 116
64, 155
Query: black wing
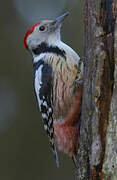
44, 89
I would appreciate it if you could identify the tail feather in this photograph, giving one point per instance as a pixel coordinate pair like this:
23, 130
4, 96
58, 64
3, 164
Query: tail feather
56, 157
74, 160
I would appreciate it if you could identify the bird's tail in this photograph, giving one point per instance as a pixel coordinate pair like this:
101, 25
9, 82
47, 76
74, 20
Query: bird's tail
74, 160
56, 156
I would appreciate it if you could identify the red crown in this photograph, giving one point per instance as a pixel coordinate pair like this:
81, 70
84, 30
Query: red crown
29, 32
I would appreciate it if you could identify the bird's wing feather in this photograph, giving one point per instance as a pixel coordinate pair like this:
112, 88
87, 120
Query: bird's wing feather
43, 89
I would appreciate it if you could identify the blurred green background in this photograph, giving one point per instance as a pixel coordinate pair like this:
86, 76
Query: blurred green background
24, 149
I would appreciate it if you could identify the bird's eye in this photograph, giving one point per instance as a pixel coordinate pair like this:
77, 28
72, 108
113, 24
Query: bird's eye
42, 28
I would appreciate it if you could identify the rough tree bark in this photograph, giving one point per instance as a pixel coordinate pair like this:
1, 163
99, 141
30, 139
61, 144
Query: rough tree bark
97, 153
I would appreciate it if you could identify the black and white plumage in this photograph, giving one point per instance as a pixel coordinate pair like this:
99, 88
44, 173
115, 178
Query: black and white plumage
56, 69
43, 83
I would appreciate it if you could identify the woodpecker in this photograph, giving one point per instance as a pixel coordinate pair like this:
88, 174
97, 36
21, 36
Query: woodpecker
58, 72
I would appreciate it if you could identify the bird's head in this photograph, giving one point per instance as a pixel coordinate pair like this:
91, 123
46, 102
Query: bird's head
47, 31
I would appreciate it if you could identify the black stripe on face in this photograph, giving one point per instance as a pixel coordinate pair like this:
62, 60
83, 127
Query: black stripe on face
45, 48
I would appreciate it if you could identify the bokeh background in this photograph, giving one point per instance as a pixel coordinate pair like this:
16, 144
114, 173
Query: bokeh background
24, 150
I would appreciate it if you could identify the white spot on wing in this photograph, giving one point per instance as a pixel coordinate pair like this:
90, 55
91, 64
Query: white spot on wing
43, 97
44, 116
45, 127
49, 122
45, 104
50, 110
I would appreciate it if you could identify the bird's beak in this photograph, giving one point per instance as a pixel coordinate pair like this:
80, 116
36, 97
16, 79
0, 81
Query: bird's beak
58, 21
61, 18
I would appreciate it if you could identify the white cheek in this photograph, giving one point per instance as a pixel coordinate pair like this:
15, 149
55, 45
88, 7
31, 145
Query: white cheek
33, 40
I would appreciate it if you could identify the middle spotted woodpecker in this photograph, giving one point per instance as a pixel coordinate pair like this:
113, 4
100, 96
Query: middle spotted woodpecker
58, 84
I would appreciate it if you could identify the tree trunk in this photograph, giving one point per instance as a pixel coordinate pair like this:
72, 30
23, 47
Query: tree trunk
97, 153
